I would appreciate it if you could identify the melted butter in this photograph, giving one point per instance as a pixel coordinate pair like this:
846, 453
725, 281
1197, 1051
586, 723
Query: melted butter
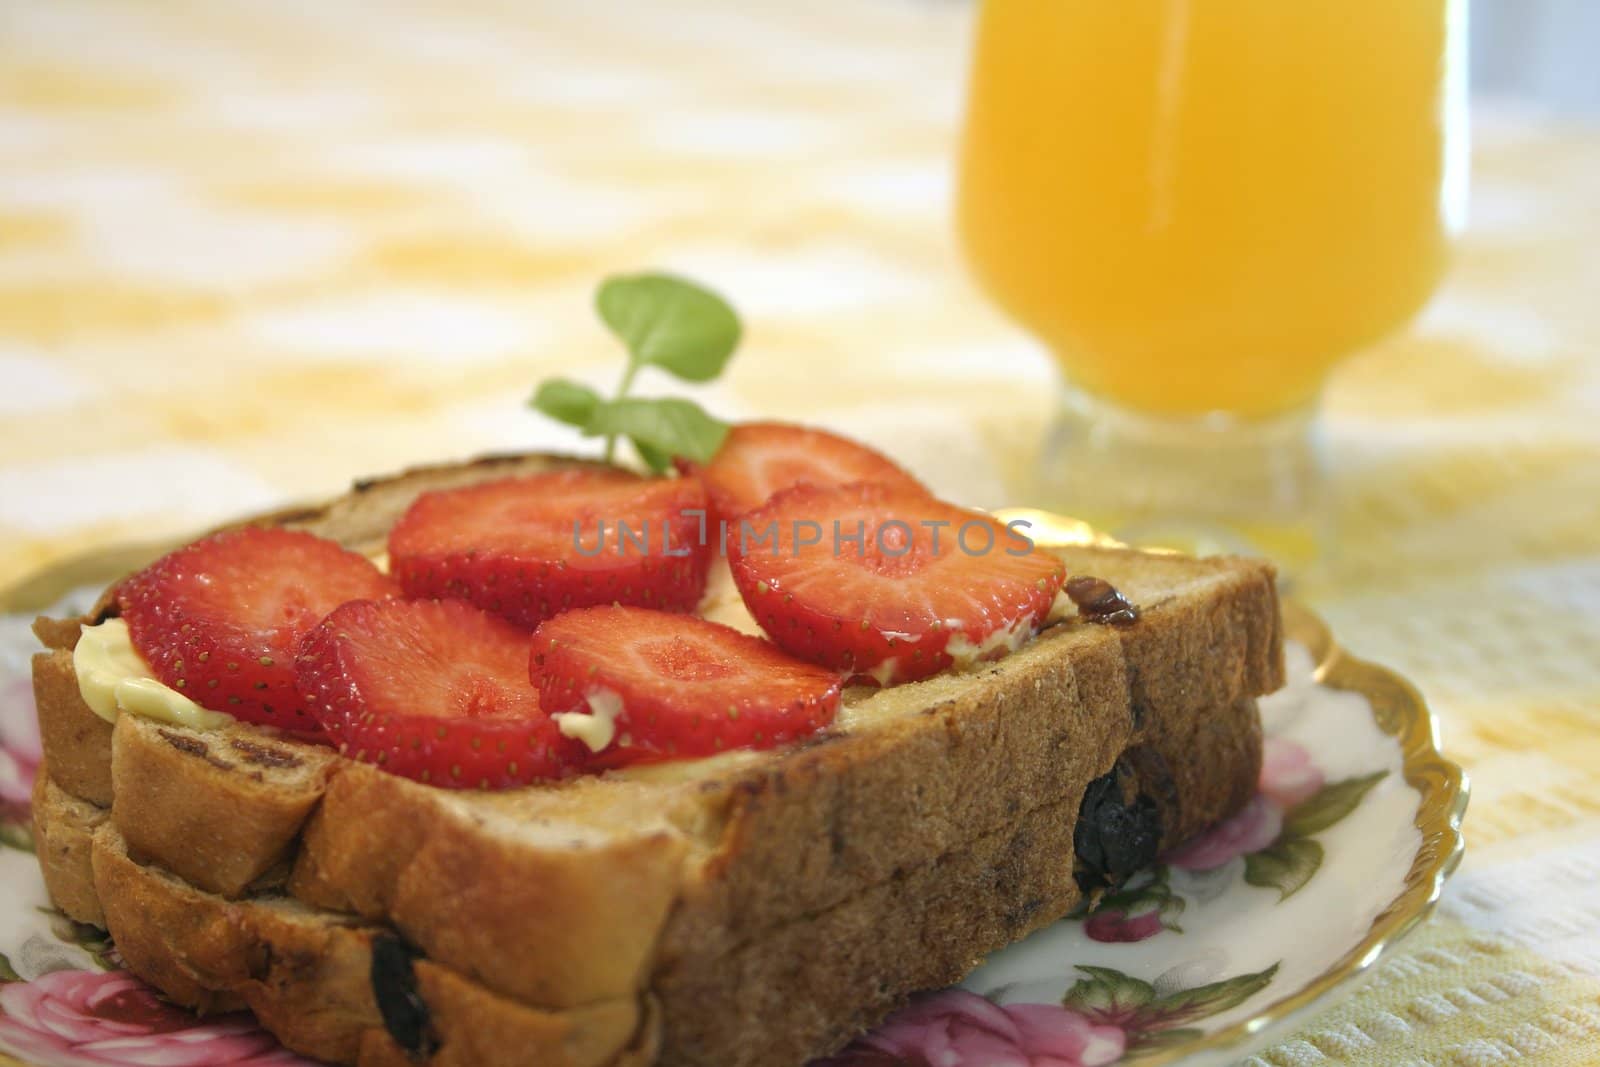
884, 672
967, 654
722, 602
114, 678
596, 727
694, 769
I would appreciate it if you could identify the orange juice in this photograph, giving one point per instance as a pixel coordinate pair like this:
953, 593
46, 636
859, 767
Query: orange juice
1201, 205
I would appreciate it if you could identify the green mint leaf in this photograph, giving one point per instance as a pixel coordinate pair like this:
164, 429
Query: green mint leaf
671, 323
660, 429
658, 461
1287, 865
1328, 805
566, 401
8, 973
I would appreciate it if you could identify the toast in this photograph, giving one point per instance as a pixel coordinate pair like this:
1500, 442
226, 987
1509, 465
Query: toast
754, 907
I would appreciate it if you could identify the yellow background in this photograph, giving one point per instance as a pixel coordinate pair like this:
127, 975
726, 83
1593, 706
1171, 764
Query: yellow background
248, 252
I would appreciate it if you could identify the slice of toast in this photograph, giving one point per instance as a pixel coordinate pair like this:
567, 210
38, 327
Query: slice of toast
308, 973
810, 888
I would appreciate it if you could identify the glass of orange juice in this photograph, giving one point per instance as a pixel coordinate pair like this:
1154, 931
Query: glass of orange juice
1201, 206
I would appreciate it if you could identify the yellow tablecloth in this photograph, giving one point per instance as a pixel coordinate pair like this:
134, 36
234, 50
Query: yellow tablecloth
250, 251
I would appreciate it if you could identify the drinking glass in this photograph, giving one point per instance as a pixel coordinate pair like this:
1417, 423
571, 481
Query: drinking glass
1201, 206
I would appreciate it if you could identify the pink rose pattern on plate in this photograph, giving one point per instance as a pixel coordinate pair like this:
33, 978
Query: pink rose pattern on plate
20, 751
1288, 777
956, 1027
108, 1018
1256, 826
1274, 833
1138, 911
1109, 925
1104, 1016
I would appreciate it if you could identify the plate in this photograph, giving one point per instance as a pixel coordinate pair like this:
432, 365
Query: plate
1215, 952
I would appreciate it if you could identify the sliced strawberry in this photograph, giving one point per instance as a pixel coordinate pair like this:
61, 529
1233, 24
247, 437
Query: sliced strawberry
887, 584
635, 685
219, 620
434, 690
759, 458
529, 548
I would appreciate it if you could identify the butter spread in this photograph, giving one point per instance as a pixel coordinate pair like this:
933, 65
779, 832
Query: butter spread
596, 727
722, 602
1061, 608
113, 677
884, 672
966, 653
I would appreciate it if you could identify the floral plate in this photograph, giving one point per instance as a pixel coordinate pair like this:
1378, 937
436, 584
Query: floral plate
1344, 849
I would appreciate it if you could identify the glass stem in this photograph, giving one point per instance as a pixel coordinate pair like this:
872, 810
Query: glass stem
1207, 483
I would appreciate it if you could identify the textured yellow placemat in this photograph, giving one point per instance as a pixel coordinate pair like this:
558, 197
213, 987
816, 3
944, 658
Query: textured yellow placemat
250, 251
1456, 996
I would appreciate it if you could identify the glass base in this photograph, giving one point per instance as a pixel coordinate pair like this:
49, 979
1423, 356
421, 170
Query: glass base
1203, 484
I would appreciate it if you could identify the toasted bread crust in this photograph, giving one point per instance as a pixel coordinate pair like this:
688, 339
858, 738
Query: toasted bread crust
247, 823
307, 976
588, 909
701, 887
63, 828
75, 740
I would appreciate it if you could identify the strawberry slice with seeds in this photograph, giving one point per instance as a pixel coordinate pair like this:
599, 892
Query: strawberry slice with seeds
890, 585
635, 685
219, 620
759, 458
435, 690
529, 548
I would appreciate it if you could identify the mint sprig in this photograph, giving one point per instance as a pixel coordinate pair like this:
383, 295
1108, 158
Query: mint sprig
666, 322
671, 323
